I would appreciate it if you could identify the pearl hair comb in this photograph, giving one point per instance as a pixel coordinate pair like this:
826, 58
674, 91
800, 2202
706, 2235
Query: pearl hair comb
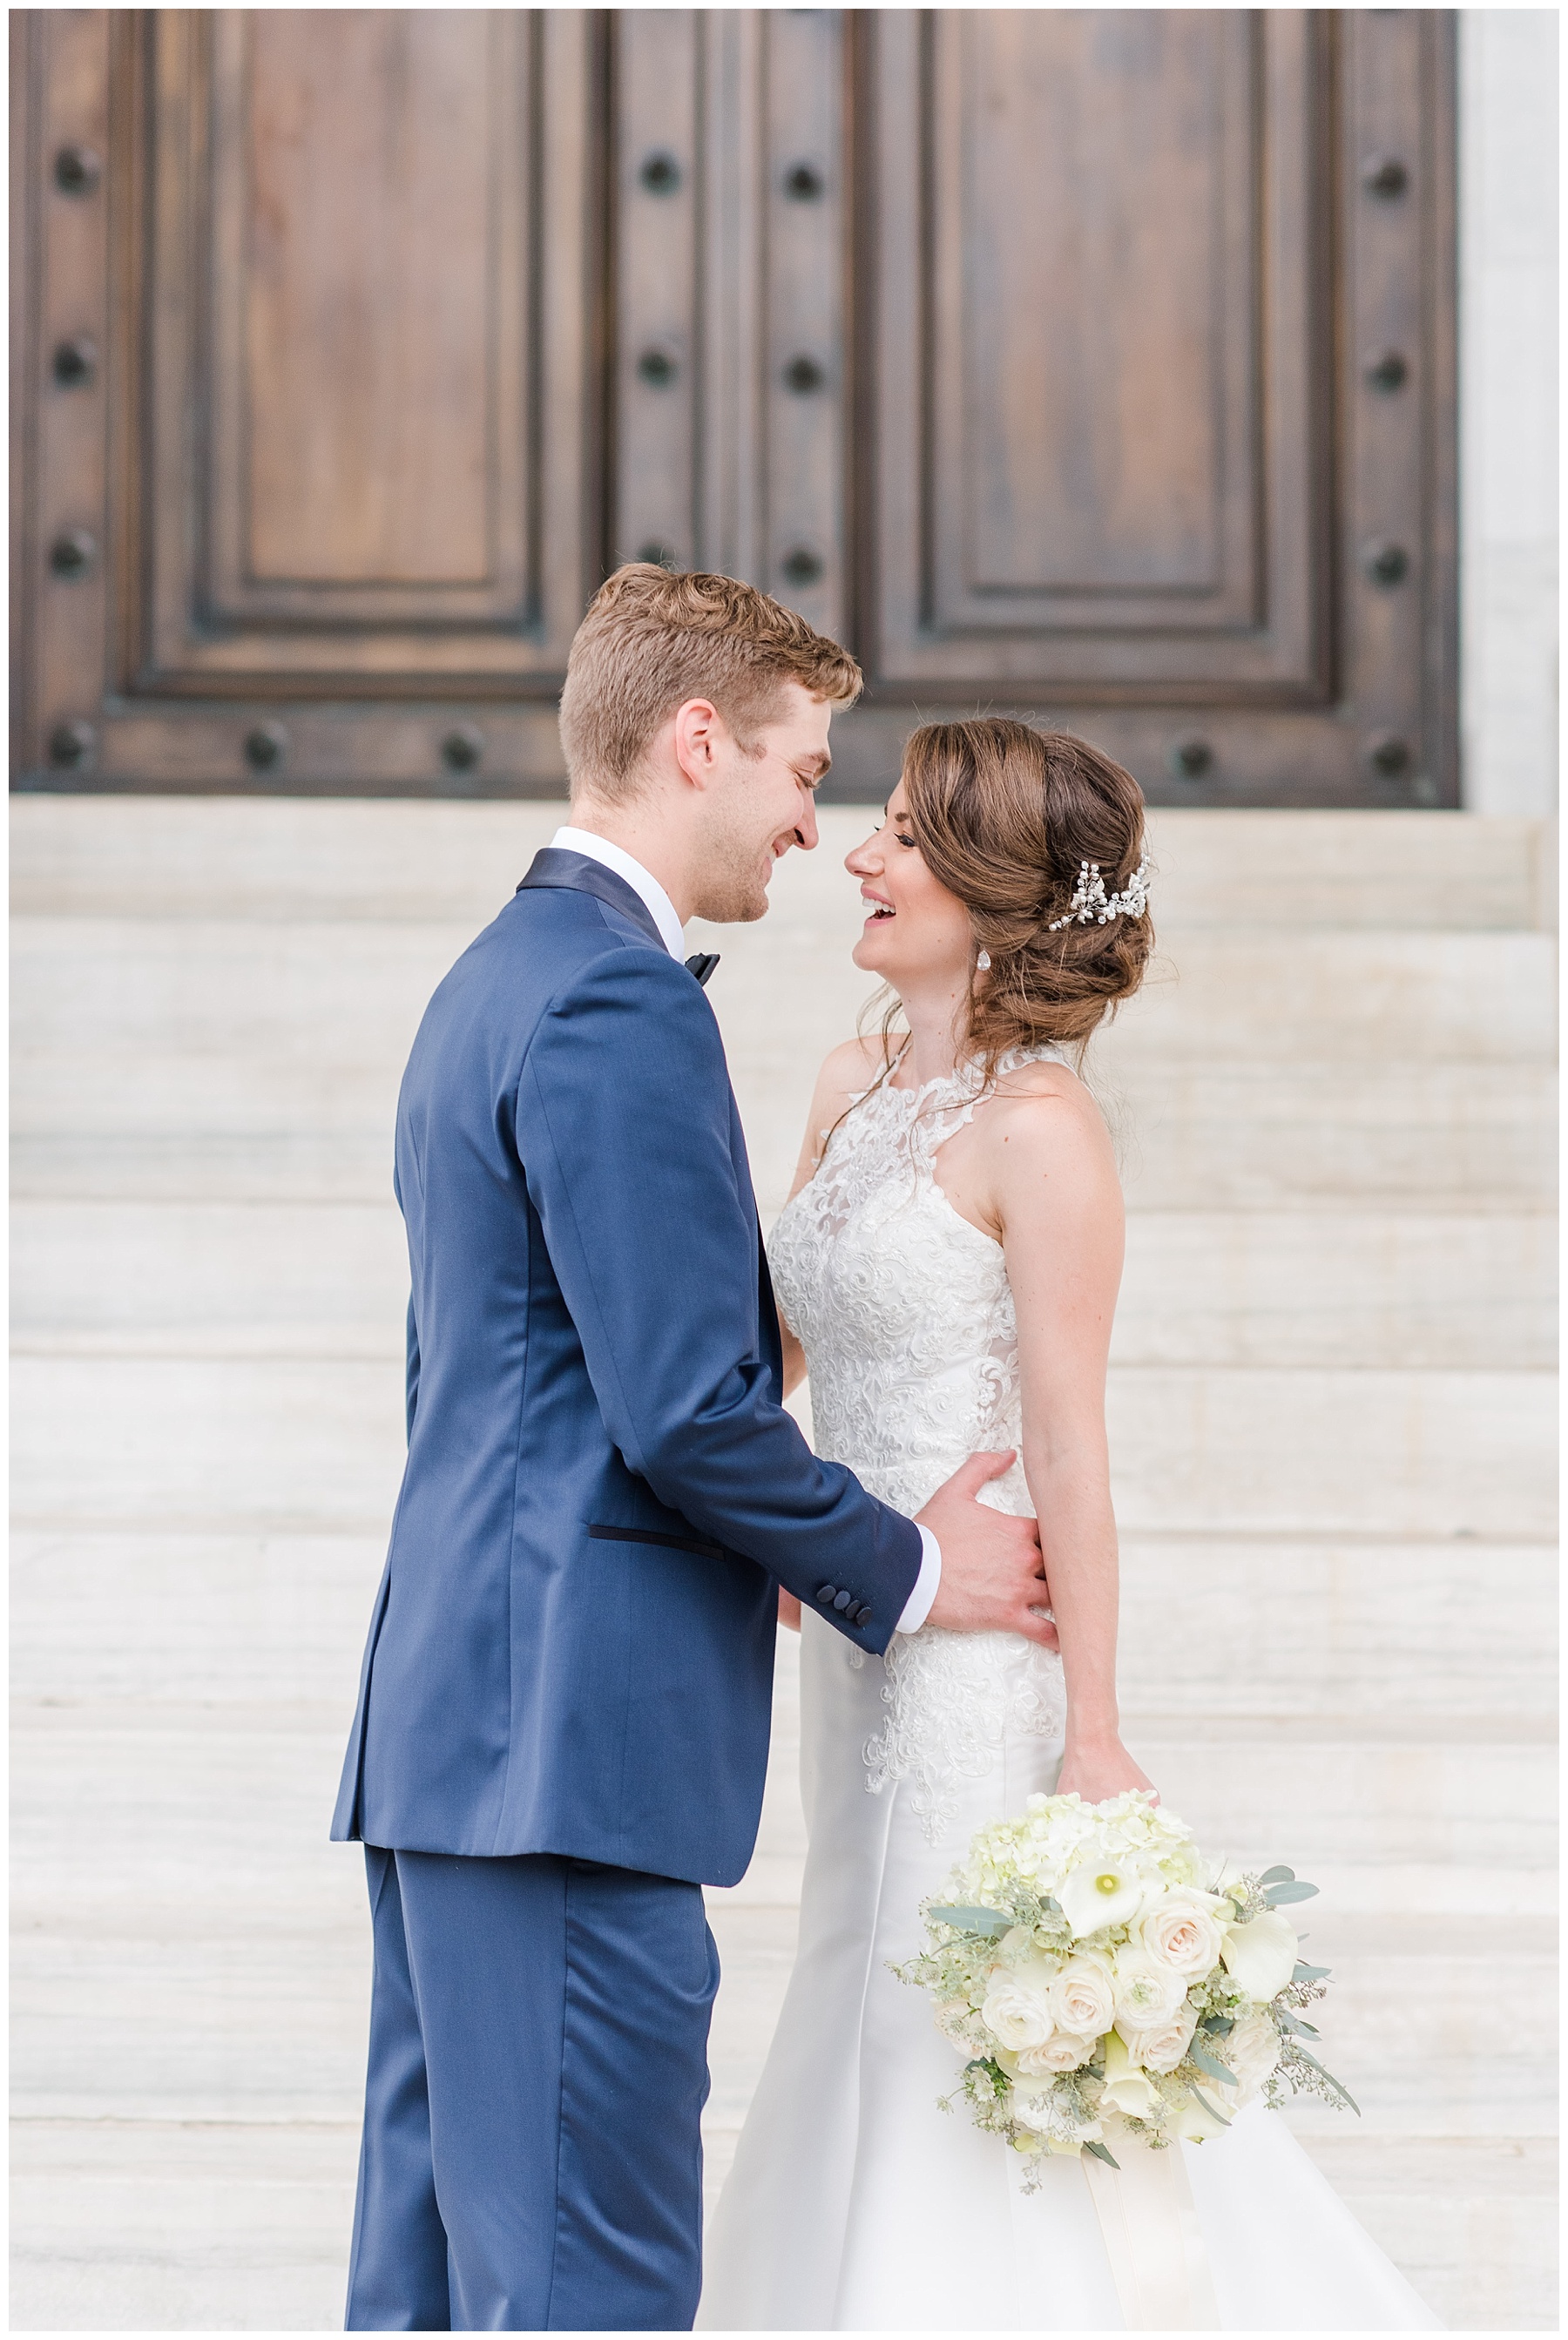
1090, 901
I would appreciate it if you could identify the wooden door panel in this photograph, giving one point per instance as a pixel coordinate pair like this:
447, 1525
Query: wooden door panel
1091, 374
349, 394
1156, 397
359, 259
1098, 256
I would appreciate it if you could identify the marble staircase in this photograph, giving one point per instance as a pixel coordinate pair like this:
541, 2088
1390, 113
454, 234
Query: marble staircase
1332, 1412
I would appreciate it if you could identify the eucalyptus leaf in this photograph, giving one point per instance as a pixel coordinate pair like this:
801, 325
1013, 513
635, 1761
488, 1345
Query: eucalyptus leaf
1304, 1973
1222, 2025
1333, 2083
1215, 2109
993, 1922
1293, 2023
1277, 1877
1212, 2066
1101, 2153
1294, 1891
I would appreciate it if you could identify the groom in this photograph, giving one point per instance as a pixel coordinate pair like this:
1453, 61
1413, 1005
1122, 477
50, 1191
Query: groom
563, 1712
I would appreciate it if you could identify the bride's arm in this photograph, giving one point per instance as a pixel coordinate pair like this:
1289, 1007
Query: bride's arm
1056, 1196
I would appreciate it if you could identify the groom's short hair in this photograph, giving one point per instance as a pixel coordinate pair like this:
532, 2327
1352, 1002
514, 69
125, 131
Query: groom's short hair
652, 641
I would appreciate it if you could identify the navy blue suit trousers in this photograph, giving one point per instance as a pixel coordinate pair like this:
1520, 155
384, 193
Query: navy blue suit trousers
531, 2158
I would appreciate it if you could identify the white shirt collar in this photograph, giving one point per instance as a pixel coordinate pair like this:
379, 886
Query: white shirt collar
650, 891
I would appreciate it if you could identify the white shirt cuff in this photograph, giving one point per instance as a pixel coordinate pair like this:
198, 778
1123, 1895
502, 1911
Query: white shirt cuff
918, 1607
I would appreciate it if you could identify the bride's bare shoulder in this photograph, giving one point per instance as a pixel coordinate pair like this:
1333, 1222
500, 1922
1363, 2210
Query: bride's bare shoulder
1043, 1109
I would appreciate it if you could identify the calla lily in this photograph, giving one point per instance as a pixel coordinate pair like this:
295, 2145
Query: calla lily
1261, 1955
1126, 2089
1099, 1890
1197, 2124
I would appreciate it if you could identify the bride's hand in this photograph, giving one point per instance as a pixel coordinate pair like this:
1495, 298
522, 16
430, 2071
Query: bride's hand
1096, 1768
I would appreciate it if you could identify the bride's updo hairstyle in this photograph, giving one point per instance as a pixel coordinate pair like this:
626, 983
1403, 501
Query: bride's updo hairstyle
1005, 818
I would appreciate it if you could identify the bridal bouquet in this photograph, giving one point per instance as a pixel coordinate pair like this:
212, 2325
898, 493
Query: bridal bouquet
1102, 1987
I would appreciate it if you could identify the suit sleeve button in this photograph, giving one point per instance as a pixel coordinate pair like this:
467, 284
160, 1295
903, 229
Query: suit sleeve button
862, 1615
842, 1599
826, 1593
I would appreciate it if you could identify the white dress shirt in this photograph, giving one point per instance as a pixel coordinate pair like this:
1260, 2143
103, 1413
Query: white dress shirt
661, 910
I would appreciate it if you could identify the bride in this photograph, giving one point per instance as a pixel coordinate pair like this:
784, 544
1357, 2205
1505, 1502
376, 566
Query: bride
947, 1271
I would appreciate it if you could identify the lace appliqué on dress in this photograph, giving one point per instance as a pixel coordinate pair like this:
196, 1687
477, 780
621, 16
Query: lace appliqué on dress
953, 1699
905, 1315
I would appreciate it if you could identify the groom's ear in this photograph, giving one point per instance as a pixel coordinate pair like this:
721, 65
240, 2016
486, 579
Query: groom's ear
702, 736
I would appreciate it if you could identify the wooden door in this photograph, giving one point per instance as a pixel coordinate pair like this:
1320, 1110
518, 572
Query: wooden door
1157, 388
1092, 364
319, 507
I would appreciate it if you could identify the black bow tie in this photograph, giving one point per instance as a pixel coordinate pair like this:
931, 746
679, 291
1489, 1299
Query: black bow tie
701, 963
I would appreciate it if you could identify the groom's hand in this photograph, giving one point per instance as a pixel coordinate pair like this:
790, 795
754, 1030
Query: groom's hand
993, 1580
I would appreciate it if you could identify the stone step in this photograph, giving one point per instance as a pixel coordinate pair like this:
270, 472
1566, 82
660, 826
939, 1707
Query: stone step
1448, 1138
1457, 1633
1329, 1797
1200, 1288
178, 2226
302, 1447
1333, 1799
193, 1621
328, 990
104, 2215
249, 857
198, 1128
119, 1994
1356, 997
322, 992
1261, 1453
194, 1677
1280, 869
1473, 1139
1330, 1289
1375, 1637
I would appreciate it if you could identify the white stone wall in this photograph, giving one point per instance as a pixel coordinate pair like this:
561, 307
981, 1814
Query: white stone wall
1508, 409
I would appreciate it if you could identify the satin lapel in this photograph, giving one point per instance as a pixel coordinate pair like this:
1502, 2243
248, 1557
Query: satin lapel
574, 873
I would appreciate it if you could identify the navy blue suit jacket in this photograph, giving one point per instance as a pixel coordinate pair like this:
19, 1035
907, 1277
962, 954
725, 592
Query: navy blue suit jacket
572, 1650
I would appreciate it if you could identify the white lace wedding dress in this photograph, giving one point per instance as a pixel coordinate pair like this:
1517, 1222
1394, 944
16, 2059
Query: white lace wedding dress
854, 2203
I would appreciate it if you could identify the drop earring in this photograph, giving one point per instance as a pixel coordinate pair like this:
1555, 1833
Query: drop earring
982, 962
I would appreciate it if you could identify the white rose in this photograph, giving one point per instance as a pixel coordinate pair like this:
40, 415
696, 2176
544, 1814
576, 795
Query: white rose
1251, 2052
1101, 1888
1161, 2047
1182, 1932
1144, 1993
1015, 2006
1082, 1998
1126, 2089
1261, 1955
1063, 2051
